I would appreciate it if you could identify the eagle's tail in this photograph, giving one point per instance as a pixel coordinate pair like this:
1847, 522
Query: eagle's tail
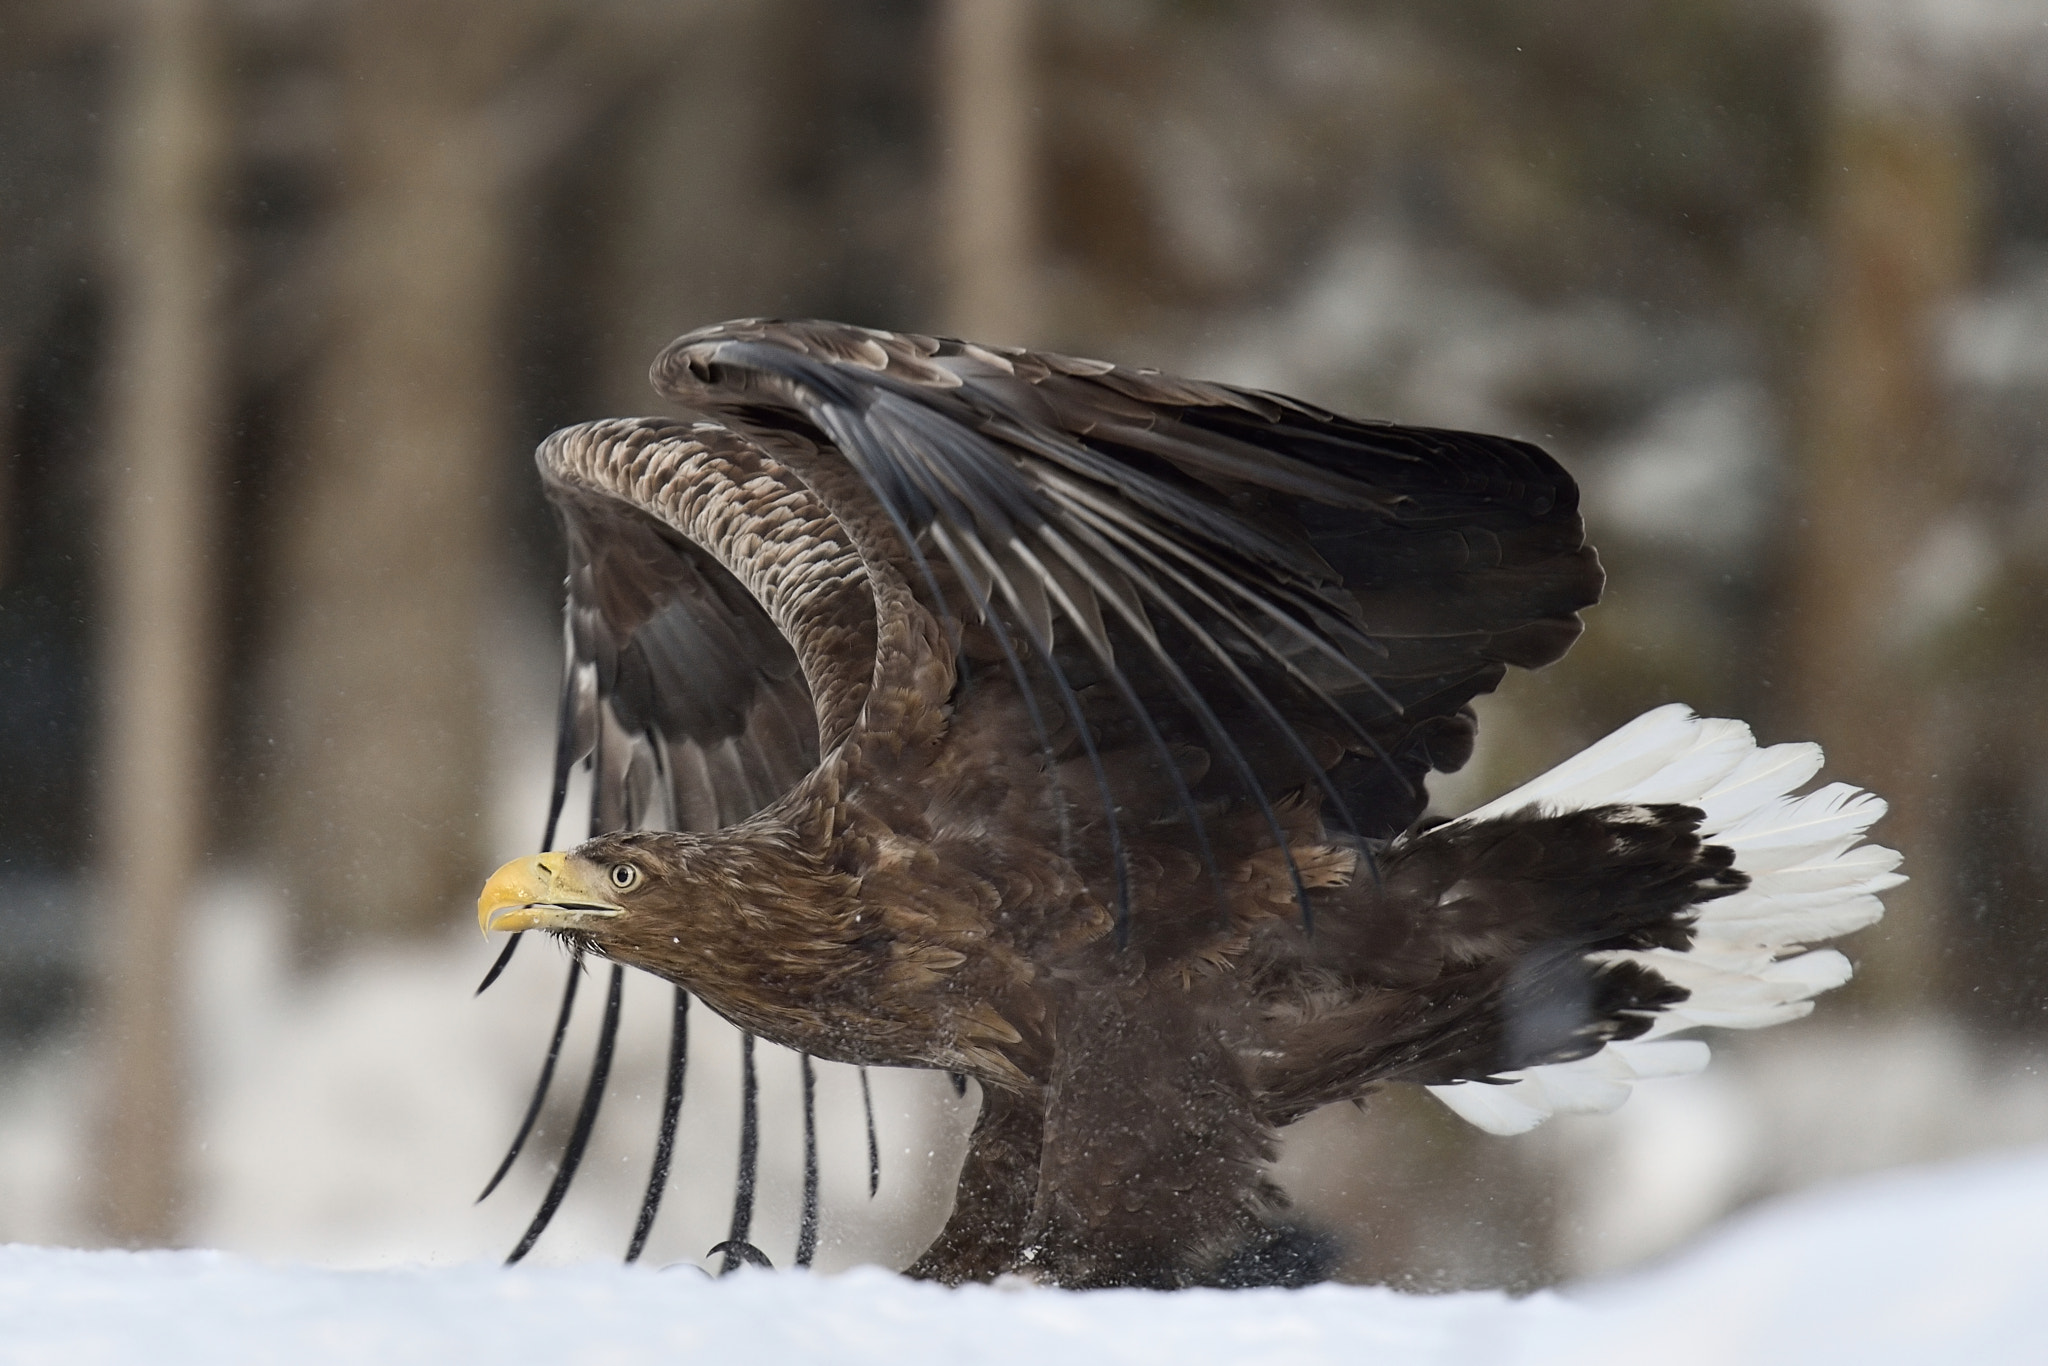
1810, 879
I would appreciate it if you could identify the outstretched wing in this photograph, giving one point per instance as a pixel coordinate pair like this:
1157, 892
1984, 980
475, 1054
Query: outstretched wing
1306, 600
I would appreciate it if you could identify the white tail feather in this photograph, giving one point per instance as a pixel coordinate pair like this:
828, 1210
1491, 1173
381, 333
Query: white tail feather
1651, 1058
1589, 777
1810, 881
1764, 776
1504, 1109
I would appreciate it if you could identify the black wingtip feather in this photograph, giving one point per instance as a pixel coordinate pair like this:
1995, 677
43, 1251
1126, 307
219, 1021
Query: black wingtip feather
547, 1074
750, 1153
739, 1252
807, 1223
565, 759
665, 1135
504, 961
586, 1119
867, 1105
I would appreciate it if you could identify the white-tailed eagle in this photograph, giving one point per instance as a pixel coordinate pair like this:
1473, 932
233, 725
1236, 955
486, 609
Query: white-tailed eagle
1064, 726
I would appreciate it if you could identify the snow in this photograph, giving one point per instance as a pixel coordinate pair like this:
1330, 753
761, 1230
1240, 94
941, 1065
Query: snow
1940, 1265
1937, 1265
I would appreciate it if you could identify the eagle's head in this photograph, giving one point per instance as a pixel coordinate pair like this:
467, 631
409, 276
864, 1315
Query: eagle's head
745, 919
596, 894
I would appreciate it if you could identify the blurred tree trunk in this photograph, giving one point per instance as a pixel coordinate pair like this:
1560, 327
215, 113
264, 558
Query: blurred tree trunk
777, 167
701, 223
165, 395
1899, 216
396, 540
9, 384
988, 191
390, 546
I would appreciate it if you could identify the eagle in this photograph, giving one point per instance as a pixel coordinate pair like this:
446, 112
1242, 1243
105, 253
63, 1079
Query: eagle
1065, 726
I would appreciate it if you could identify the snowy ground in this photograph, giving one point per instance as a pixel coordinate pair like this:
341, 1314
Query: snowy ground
1940, 1265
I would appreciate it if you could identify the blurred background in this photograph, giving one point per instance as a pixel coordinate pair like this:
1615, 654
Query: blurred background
290, 288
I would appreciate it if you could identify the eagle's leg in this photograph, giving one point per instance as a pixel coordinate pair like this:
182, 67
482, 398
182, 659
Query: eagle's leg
1154, 1152
993, 1202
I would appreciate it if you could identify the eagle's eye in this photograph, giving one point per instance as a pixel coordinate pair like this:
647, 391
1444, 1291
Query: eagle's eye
625, 876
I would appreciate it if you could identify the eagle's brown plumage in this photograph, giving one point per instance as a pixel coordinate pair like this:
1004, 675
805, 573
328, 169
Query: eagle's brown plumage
1063, 725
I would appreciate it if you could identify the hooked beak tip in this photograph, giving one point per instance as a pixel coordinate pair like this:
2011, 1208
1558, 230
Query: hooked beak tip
539, 892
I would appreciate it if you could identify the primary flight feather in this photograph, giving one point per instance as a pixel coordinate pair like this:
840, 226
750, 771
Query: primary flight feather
1065, 726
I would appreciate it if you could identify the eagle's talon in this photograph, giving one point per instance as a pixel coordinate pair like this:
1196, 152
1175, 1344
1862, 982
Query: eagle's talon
737, 1251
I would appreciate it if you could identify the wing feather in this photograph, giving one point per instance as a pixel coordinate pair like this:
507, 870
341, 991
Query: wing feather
1379, 576
710, 600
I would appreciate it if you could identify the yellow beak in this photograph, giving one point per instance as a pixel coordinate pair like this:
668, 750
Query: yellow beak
542, 892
